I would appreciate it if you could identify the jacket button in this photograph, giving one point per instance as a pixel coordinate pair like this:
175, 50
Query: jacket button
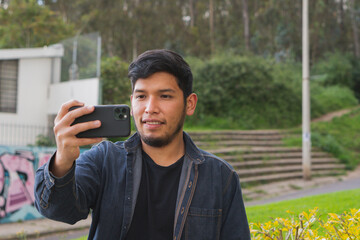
190, 184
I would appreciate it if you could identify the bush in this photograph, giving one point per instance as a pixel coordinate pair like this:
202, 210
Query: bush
324, 98
334, 69
330, 98
242, 92
356, 76
309, 226
116, 87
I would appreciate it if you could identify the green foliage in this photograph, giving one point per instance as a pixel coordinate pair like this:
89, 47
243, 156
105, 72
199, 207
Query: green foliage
329, 144
324, 98
338, 69
116, 87
336, 202
45, 141
241, 91
27, 24
330, 98
340, 137
309, 225
334, 69
356, 76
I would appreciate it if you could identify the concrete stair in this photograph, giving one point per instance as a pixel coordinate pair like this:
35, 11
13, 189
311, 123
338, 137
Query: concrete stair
260, 156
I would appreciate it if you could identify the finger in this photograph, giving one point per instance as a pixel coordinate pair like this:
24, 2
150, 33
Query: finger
70, 117
87, 141
81, 127
64, 109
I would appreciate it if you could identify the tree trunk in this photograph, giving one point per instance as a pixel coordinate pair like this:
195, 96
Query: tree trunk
246, 24
134, 49
211, 22
192, 13
355, 29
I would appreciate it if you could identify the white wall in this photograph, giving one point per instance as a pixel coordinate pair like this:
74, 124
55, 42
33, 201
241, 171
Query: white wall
40, 93
30, 119
85, 90
33, 80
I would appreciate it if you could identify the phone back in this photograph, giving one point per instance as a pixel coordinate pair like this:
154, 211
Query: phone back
115, 121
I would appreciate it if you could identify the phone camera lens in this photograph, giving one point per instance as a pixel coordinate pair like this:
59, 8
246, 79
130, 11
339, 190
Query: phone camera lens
120, 113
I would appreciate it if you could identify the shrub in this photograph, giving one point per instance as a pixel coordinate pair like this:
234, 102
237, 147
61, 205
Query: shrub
116, 87
330, 98
241, 90
334, 69
309, 226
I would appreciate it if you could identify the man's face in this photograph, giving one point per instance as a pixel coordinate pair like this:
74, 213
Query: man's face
158, 109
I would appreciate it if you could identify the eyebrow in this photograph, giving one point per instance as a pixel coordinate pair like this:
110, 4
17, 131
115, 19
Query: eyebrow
161, 90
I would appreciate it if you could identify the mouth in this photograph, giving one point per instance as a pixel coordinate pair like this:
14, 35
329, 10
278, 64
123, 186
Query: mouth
152, 123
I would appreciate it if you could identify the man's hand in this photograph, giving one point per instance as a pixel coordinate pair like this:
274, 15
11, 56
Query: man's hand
68, 145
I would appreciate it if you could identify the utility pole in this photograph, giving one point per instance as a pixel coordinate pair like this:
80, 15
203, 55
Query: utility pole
306, 135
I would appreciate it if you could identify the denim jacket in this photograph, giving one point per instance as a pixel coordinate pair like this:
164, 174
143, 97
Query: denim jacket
106, 180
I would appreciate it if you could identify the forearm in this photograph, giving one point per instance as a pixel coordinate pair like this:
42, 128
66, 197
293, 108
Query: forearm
58, 167
235, 224
57, 198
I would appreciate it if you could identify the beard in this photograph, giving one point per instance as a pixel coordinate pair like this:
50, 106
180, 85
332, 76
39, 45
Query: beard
168, 138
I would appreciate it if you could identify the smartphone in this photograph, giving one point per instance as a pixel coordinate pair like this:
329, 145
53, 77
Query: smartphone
115, 121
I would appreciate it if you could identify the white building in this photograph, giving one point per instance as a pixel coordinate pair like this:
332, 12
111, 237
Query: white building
31, 92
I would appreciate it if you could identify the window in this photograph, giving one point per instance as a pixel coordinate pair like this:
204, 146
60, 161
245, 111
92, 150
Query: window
8, 85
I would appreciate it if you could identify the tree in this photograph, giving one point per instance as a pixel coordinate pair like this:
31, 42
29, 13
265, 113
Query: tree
27, 24
355, 29
246, 24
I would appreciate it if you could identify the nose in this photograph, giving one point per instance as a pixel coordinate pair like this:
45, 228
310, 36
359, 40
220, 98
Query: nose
151, 106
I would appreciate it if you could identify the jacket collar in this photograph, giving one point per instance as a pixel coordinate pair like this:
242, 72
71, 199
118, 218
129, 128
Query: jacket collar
191, 150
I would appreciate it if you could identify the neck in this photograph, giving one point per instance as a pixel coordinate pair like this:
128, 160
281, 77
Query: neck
169, 154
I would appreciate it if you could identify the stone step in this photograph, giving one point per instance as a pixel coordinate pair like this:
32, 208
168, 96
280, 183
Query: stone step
237, 132
286, 176
292, 168
233, 143
224, 137
266, 156
285, 161
254, 149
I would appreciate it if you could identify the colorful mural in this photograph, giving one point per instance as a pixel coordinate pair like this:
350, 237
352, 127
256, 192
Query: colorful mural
17, 176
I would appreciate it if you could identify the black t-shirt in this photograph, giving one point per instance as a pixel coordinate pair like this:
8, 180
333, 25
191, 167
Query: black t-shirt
155, 206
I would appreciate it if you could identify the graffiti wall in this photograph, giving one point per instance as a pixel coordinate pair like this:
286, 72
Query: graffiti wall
17, 176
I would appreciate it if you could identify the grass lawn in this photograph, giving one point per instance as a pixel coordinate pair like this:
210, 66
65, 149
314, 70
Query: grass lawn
337, 202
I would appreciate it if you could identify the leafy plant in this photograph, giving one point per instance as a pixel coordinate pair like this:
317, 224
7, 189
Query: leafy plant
309, 225
46, 141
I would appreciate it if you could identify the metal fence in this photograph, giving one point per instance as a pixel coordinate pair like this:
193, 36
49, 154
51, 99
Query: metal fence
82, 57
21, 134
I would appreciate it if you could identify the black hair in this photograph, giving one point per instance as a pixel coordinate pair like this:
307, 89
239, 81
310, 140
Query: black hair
162, 60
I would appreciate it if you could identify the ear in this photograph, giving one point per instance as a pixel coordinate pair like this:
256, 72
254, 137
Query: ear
191, 101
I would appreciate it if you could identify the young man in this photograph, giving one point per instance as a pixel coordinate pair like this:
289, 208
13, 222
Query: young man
157, 184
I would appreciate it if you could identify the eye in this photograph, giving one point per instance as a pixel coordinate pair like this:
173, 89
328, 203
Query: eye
166, 96
140, 97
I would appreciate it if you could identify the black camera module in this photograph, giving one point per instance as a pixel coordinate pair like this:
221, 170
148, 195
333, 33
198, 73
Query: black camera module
120, 113
117, 110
